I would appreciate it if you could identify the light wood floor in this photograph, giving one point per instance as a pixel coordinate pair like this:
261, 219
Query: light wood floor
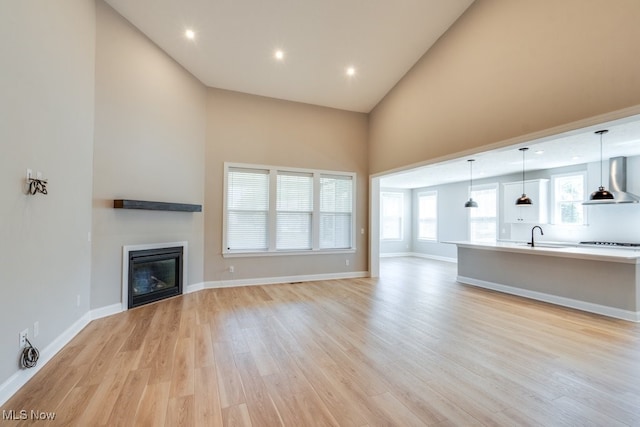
412, 348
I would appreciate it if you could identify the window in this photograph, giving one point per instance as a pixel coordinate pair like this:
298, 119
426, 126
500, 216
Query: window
294, 209
275, 210
483, 220
247, 209
568, 195
392, 207
336, 217
428, 215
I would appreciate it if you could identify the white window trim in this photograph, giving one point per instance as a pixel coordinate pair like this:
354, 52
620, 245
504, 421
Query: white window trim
394, 193
273, 170
427, 192
585, 221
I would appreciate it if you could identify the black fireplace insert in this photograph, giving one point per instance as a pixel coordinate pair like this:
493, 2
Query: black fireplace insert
154, 274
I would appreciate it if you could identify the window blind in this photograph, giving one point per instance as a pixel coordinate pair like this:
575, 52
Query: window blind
294, 208
336, 206
274, 210
247, 209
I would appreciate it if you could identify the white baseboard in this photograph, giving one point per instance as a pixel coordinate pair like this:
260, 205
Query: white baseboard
108, 310
395, 254
20, 378
618, 313
436, 257
283, 279
194, 288
418, 255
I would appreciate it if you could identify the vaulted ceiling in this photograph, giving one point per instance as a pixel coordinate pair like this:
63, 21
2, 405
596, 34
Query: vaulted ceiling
235, 42
235, 45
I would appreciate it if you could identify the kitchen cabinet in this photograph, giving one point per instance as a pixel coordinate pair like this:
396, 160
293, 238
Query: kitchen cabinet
538, 192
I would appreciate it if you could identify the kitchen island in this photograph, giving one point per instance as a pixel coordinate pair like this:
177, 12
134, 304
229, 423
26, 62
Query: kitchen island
599, 280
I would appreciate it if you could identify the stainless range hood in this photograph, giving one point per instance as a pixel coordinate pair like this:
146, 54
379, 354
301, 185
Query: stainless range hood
617, 184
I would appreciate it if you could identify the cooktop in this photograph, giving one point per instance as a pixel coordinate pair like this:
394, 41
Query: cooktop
631, 245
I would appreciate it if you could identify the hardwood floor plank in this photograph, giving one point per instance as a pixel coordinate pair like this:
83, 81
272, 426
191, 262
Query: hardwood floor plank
203, 346
229, 382
69, 410
208, 411
297, 408
412, 347
585, 415
126, 406
101, 363
99, 408
236, 416
153, 404
182, 380
259, 404
255, 341
181, 412
393, 408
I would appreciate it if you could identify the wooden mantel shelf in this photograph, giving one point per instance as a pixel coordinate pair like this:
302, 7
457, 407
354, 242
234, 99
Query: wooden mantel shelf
155, 206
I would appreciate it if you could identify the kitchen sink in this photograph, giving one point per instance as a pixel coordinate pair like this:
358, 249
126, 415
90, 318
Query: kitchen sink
551, 245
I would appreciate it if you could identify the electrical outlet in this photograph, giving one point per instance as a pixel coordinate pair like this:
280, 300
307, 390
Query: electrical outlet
36, 328
29, 174
23, 338
78, 300
39, 175
346, 262
232, 269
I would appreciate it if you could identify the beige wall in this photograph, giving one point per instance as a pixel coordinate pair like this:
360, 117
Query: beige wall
47, 54
149, 145
251, 129
507, 69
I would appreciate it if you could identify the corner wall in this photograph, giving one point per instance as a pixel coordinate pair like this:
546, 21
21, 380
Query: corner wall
507, 69
251, 129
149, 145
47, 51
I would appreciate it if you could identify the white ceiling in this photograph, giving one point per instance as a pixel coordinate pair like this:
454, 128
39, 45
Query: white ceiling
234, 48
570, 148
235, 42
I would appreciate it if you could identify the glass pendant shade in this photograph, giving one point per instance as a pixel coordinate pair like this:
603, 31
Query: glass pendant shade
601, 193
471, 203
523, 200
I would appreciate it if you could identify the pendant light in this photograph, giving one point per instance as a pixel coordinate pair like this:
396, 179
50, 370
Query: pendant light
601, 194
523, 200
471, 203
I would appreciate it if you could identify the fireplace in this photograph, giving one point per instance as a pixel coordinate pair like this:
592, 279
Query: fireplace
152, 273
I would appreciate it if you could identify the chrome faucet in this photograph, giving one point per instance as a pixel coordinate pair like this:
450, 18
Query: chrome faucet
532, 242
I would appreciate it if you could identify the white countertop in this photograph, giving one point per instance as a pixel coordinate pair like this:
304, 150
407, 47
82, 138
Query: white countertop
558, 249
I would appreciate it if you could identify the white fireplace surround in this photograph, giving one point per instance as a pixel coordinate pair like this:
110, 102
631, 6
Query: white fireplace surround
125, 265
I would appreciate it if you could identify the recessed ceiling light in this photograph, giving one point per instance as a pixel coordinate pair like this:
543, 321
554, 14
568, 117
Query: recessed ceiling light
540, 152
190, 34
279, 55
351, 71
